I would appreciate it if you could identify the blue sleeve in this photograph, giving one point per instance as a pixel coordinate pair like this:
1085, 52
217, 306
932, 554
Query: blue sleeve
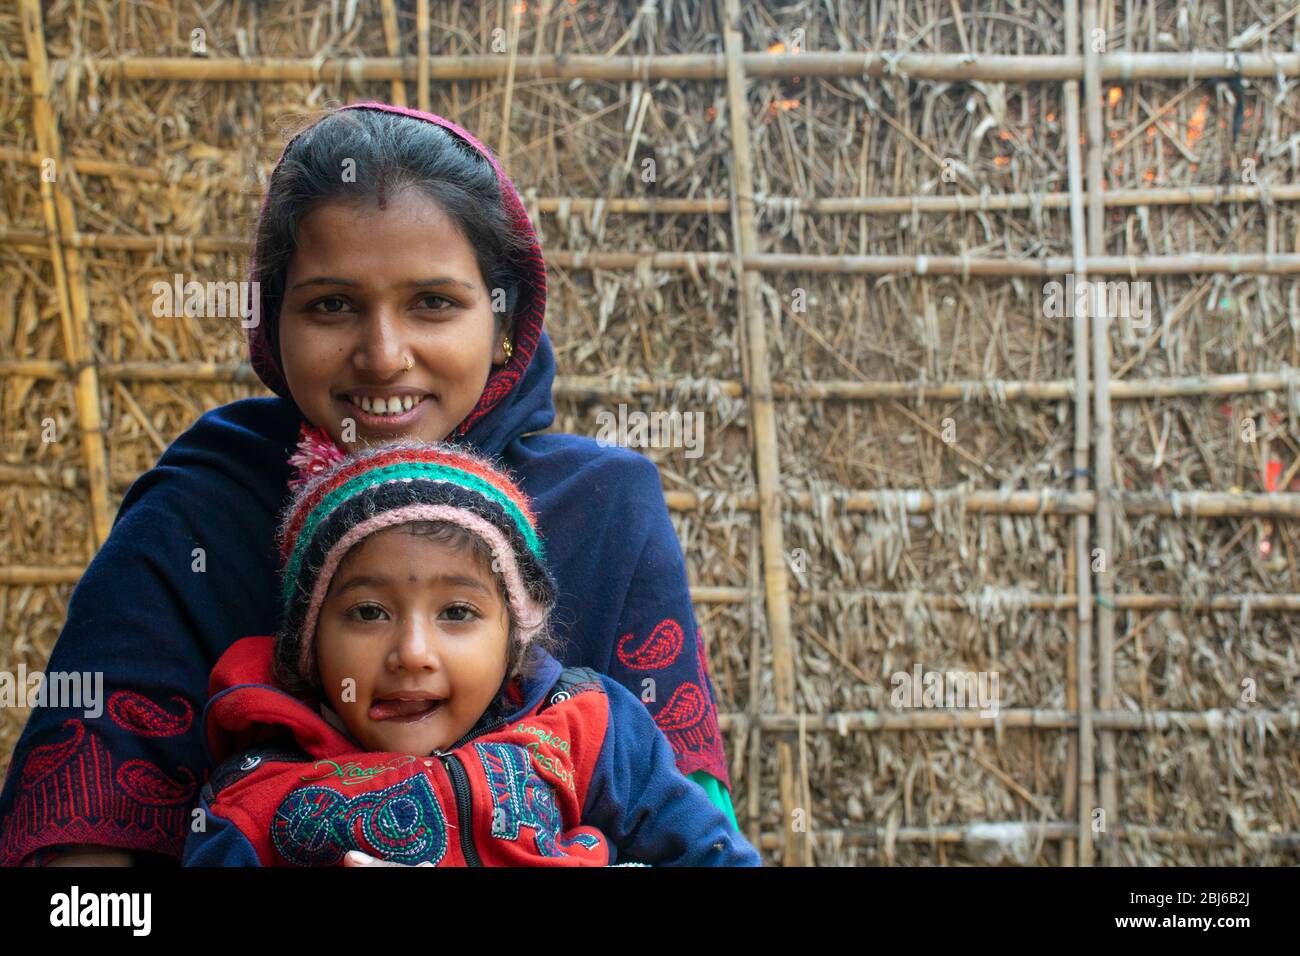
152, 616
640, 801
220, 844
657, 635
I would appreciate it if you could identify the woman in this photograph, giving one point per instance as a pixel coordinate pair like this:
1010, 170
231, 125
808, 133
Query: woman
401, 293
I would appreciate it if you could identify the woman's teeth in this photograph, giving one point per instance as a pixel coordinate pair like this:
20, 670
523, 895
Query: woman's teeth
386, 406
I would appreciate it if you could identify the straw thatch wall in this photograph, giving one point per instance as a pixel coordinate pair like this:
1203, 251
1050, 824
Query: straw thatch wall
914, 301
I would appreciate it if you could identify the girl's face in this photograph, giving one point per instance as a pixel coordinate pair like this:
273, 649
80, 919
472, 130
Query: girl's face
411, 642
366, 290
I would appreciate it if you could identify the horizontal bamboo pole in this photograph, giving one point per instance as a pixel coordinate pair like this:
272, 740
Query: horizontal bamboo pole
161, 244
1021, 718
952, 67
19, 575
948, 833
972, 602
1203, 504
964, 390
834, 205
217, 372
1176, 504
604, 387
1012, 600
1132, 266
1011, 202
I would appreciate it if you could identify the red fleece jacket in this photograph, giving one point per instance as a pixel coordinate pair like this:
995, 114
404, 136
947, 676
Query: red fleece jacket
567, 769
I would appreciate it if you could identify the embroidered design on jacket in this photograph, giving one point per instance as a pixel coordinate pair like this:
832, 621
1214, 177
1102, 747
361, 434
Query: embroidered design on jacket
404, 823
352, 772
690, 719
154, 788
658, 650
140, 715
521, 798
77, 788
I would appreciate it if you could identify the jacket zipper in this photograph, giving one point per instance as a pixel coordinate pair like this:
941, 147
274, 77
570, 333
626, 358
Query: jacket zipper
464, 807
464, 795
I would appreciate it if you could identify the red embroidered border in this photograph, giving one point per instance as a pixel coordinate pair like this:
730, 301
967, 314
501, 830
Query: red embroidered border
72, 793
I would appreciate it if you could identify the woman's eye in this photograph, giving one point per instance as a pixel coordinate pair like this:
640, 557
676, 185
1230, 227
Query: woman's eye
330, 304
368, 612
459, 613
432, 302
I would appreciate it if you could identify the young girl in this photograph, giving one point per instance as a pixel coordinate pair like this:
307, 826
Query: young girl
396, 264
408, 708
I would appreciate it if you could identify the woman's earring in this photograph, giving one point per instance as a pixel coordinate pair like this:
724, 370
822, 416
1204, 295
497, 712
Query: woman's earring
409, 364
508, 348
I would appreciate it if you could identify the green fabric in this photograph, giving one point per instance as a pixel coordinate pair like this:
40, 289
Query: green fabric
717, 793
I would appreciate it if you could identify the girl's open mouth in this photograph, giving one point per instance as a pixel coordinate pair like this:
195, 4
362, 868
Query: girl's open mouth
404, 711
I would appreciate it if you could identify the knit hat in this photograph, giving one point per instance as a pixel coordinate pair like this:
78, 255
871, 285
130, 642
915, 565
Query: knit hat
393, 484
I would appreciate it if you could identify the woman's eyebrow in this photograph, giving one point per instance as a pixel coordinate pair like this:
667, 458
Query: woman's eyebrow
413, 283
325, 280
440, 280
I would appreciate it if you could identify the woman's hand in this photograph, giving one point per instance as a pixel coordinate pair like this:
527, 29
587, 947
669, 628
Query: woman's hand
357, 858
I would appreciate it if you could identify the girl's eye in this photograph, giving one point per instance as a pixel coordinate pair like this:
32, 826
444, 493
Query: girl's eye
330, 304
460, 613
368, 613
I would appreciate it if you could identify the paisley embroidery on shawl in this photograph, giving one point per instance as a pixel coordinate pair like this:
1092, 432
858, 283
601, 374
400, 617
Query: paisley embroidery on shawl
689, 719
141, 716
74, 791
660, 649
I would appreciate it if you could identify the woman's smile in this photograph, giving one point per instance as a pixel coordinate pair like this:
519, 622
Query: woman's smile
384, 410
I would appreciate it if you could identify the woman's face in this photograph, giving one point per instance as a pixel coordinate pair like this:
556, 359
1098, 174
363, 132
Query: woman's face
412, 642
366, 290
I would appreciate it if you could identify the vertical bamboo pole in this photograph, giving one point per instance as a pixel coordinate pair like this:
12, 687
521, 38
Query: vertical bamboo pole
754, 765
69, 277
393, 40
776, 584
422, 52
1083, 639
503, 151
1103, 477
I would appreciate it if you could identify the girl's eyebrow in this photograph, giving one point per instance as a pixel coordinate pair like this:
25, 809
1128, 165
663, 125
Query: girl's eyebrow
414, 283
378, 581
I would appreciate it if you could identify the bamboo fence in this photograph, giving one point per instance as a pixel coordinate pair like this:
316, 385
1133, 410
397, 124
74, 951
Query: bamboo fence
915, 171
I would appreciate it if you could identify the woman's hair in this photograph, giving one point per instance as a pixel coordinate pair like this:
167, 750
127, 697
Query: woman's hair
370, 156
519, 661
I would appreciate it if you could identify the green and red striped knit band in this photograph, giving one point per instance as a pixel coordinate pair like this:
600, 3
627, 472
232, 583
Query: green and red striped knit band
398, 483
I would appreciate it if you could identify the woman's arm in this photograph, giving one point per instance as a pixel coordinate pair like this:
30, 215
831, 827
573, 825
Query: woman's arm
188, 567
659, 655
641, 802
